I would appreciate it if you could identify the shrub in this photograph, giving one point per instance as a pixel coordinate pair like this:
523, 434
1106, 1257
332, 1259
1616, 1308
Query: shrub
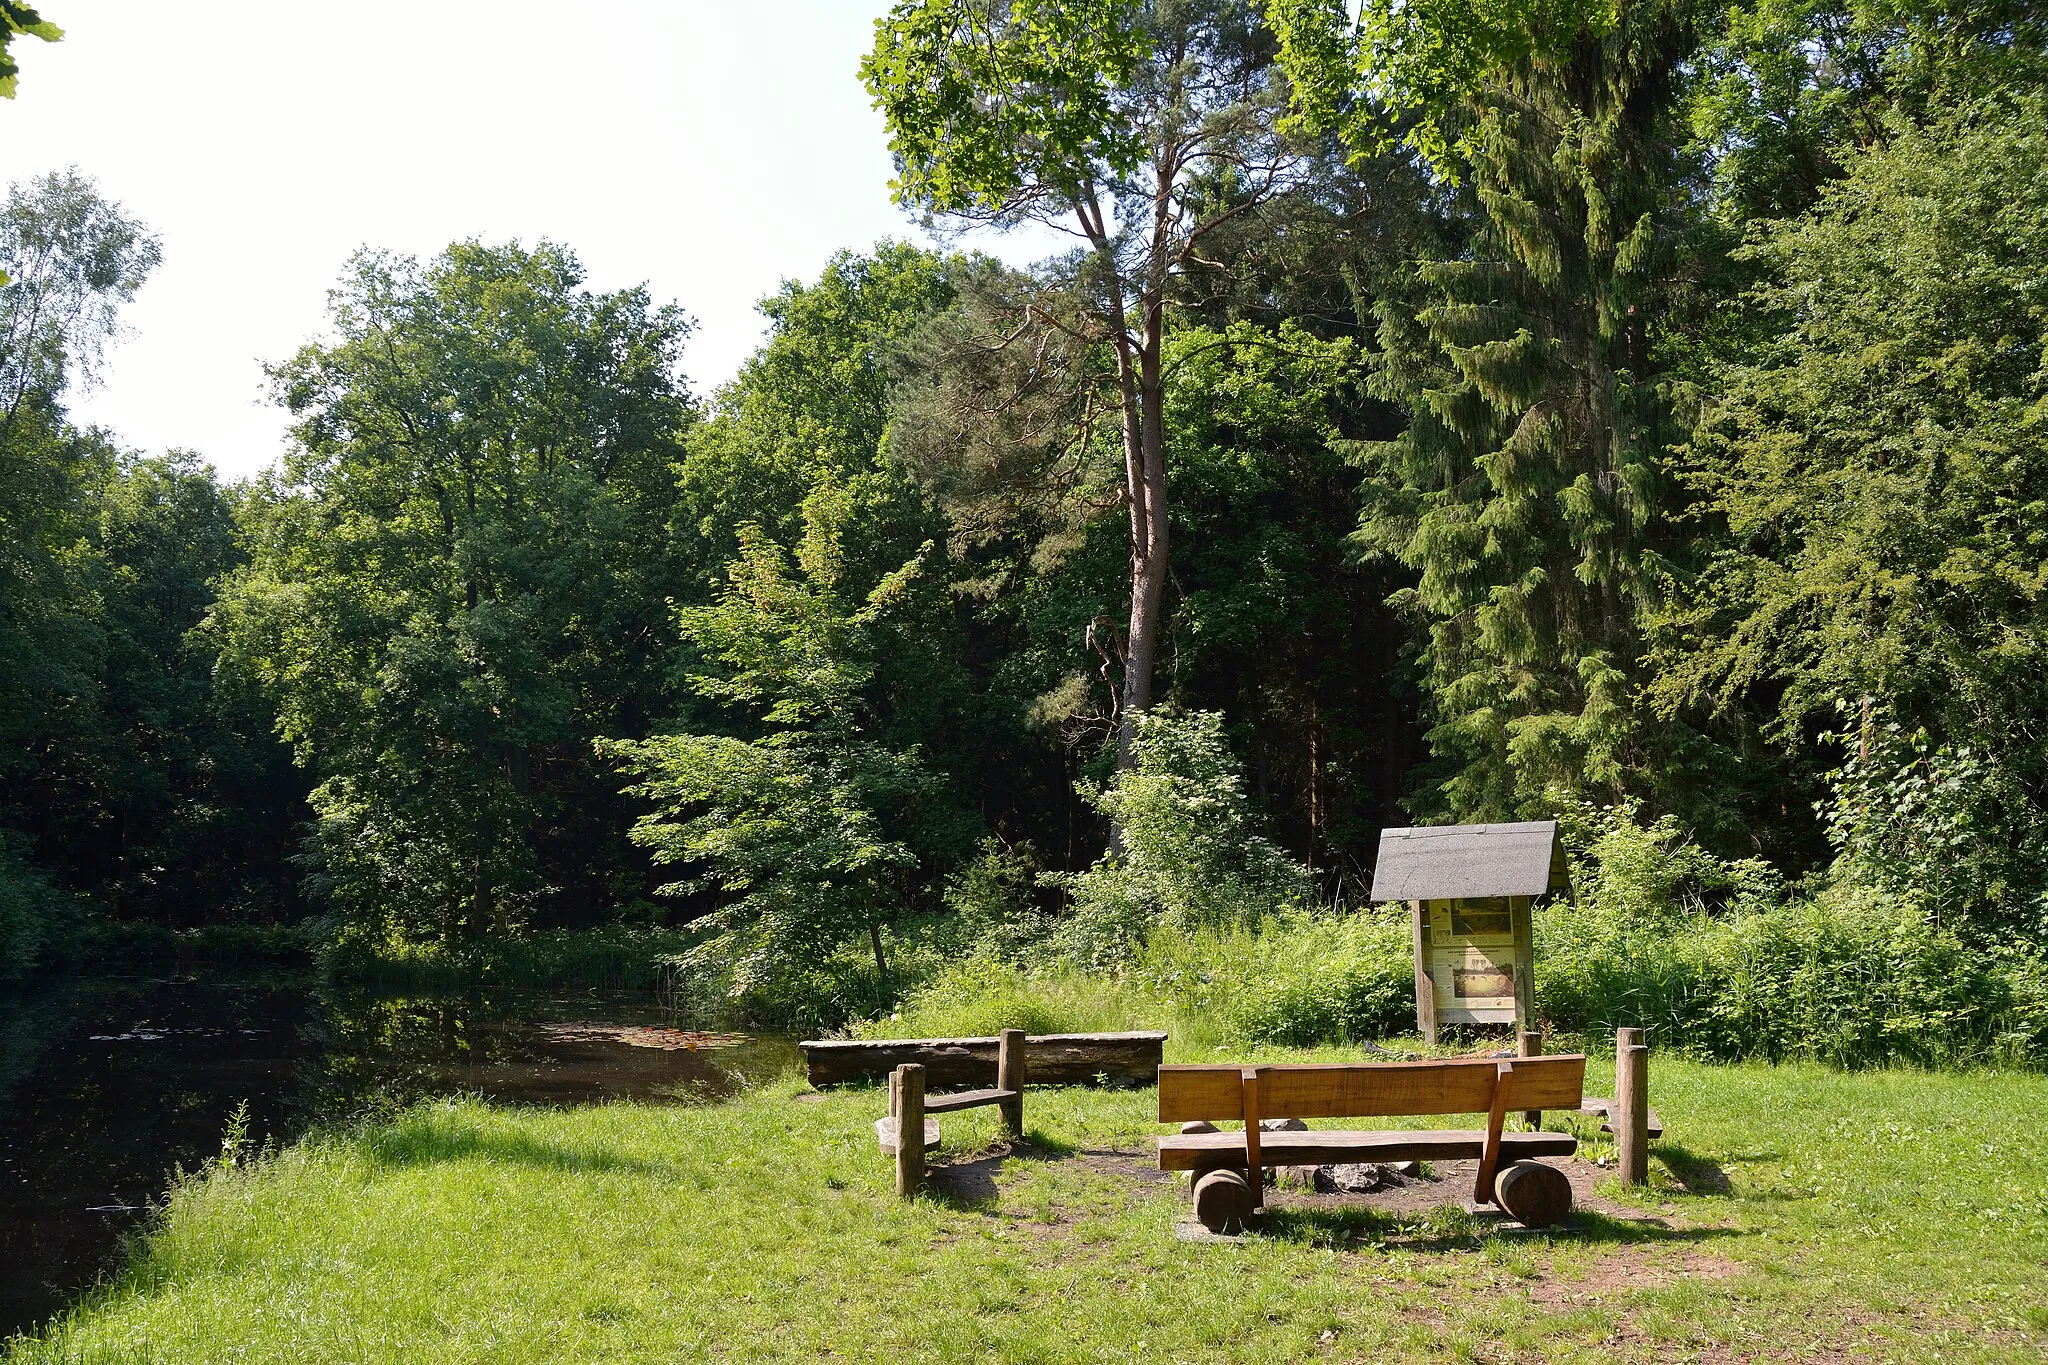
1296, 981
135, 944
1716, 958
1943, 823
37, 921
1191, 856
992, 904
615, 955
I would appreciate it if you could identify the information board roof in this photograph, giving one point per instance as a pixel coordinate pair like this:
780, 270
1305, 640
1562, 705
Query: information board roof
1439, 862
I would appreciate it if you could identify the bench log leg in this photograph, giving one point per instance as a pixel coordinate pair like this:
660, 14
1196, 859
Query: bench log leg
1489, 1159
1254, 1159
1533, 1194
1010, 1076
1224, 1201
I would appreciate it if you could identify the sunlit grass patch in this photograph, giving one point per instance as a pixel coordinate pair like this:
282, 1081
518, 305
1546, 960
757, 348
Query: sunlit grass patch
1794, 1209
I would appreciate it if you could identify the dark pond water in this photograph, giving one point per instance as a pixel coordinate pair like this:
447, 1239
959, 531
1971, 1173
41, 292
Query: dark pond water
107, 1086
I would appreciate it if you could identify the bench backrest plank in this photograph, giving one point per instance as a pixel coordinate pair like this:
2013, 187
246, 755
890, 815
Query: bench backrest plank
1340, 1090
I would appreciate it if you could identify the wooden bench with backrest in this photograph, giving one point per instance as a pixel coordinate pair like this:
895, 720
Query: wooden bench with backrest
912, 1110
1229, 1166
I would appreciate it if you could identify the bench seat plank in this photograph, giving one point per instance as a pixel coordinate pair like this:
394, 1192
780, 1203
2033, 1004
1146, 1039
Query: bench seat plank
1605, 1109
885, 1135
966, 1099
1322, 1147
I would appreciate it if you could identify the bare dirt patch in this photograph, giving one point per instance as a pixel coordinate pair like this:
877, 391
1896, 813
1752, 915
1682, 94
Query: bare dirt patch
1627, 1268
1142, 1167
1448, 1182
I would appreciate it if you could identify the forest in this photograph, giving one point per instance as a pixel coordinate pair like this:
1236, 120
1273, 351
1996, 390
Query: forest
1633, 415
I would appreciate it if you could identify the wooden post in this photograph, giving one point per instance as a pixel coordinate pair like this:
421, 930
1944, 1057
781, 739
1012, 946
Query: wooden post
1010, 1076
1425, 986
1489, 1157
1254, 1159
1530, 1044
1523, 920
909, 1128
1631, 1116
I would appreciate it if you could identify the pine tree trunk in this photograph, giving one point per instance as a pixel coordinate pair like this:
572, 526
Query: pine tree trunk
1148, 548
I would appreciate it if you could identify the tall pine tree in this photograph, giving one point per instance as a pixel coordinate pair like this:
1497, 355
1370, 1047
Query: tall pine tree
1522, 490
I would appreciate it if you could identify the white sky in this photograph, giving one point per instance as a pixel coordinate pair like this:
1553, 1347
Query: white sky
710, 148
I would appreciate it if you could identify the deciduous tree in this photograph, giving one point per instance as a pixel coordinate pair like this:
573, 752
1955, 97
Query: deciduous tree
460, 579
1138, 126
805, 827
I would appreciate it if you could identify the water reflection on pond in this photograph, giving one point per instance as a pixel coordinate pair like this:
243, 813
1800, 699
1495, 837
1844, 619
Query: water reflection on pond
107, 1086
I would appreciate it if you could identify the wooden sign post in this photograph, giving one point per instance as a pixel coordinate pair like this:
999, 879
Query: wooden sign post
1630, 1118
1471, 890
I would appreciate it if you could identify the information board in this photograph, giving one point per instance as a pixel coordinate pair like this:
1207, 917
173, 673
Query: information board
1474, 958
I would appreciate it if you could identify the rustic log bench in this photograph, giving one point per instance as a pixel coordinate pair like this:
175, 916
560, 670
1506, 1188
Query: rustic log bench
910, 1109
1229, 1167
1054, 1058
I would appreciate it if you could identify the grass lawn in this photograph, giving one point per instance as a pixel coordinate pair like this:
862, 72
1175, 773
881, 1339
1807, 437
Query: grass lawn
1798, 1213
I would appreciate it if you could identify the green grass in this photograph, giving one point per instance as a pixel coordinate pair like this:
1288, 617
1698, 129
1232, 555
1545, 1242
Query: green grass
1879, 1215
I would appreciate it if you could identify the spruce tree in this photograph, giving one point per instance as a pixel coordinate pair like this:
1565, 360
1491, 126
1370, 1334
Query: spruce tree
1522, 490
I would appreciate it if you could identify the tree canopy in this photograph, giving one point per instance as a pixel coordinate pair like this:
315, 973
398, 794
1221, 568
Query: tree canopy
1628, 414
16, 21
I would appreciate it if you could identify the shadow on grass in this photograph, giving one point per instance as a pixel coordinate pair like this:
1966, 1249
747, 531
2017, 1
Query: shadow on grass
422, 1144
1042, 1146
1451, 1228
970, 1186
965, 1186
1699, 1174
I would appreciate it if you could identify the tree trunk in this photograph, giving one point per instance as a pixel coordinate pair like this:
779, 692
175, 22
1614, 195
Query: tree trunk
875, 940
1141, 403
1148, 547
1147, 473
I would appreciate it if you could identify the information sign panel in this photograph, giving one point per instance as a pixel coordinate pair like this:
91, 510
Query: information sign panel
1472, 962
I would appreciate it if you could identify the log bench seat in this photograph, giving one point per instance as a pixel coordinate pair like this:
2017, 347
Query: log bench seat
1653, 1127
954, 1100
1331, 1147
910, 1107
1230, 1190
949, 1103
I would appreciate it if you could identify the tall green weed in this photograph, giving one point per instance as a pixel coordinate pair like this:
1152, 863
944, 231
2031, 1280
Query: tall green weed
1293, 982
1719, 958
983, 994
1296, 981
1849, 976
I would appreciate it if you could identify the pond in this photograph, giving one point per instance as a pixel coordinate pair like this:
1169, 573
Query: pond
108, 1086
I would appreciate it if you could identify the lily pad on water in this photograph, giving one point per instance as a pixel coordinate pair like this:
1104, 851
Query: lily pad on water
639, 1035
